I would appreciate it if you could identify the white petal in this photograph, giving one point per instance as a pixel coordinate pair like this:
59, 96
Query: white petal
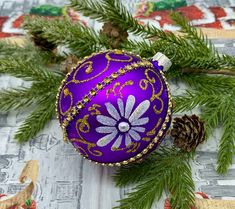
121, 107
138, 129
139, 111
105, 129
118, 142
112, 111
127, 140
106, 139
134, 135
106, 120
139, 122
129, 105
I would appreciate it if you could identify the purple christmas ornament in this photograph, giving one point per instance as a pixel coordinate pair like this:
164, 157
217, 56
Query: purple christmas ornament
115, 107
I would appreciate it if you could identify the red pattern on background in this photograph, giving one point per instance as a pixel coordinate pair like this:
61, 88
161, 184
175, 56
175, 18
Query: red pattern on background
216, 24
18, 22
2, 20
5, 35
191, 12
167, 204
218, 12
32, 206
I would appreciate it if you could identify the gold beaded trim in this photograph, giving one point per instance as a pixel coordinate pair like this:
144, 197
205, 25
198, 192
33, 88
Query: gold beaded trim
74, 68
80, 105
87, 98
151, 145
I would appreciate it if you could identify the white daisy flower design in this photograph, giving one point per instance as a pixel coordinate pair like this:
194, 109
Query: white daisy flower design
124, 123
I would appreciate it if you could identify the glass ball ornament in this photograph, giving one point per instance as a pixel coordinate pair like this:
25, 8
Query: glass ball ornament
115, 107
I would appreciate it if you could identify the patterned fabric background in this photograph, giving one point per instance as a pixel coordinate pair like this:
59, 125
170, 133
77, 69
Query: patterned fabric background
87, 186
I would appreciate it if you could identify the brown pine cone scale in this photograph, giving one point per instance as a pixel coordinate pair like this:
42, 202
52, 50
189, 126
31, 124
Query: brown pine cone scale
188, 132
115, 34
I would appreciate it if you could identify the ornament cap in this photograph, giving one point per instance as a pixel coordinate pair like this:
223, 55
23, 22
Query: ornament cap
163, 60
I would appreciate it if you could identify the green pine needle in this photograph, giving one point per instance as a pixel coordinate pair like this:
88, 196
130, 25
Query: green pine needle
36, 121
227, 143
167, 169
16, 98
81, 40
109, 11
214, 95
26, 70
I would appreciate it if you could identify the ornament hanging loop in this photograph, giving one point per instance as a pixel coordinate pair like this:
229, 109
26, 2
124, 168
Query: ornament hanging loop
162, 60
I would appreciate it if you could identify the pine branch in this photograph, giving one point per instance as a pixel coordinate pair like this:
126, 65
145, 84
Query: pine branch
110, 11
16, 98
80, 39
27, 52
195, 35
214, 96
36, 121
227, 143
169, 170
26, 70
139, 171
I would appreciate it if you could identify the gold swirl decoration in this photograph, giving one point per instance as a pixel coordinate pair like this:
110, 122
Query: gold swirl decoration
109, 57
151, 81
88, 66
82, 125
130, 148
66, 93
119, 91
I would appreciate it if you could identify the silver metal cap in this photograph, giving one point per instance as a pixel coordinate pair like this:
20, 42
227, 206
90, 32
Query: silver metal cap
163, 60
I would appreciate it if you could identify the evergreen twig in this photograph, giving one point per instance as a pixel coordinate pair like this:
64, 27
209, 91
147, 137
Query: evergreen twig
25, 69
36, 121
166, 169
80, 39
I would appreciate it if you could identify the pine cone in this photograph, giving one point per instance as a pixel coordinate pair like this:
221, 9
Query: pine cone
188, 132
115, 34
41, 42
68, 64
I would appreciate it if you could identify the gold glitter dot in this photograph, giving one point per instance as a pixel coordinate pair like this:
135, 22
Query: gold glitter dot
86, 99
69, 118
107, 80
135, 65
155, 139
117, 51
139, 155
79, 106
164, 126
66, 92
167, 119
66, 123
92, 92
99, 86
145, 151
74, 111
151, 146
121, 71
142, 64
114, 75
128, 67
